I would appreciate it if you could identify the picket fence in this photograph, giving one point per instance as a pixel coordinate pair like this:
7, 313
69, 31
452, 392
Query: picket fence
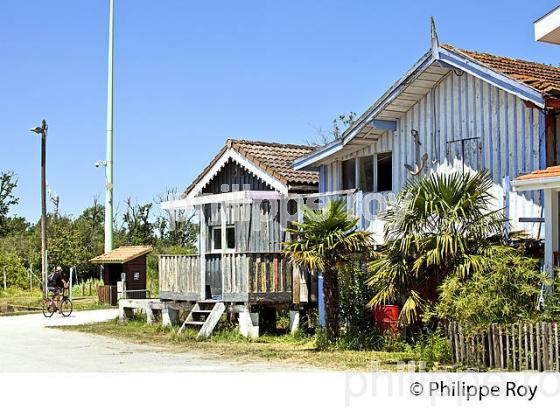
517, 346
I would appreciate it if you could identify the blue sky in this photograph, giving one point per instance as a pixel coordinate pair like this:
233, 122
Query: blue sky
188, 75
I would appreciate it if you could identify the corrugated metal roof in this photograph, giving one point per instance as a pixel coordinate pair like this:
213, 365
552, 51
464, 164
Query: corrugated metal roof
274, 158
122, 254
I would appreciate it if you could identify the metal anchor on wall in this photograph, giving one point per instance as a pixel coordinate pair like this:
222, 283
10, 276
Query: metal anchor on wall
417, 168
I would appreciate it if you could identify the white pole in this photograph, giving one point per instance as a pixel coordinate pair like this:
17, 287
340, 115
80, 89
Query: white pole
46, 274
72, 270
5, 287
109, 154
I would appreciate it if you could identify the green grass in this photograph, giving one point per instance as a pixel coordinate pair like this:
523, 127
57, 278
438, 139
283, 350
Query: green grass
33, 299
226, 342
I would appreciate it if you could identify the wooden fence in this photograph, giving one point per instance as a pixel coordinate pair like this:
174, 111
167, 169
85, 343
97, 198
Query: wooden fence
517, 346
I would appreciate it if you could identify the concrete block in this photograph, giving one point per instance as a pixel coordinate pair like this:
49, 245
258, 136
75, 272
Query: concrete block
293, 327
169, 315
150, 317
249, 324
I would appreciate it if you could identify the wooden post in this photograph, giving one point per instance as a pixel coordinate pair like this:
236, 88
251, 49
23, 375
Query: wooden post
550, 229
507, 360
532, 346
513, 347
526, 346
556, 347
550, 346
90, 289
539, 356
202, 247
491, 361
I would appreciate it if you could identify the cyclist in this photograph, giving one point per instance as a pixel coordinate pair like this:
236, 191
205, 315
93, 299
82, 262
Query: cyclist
56, 284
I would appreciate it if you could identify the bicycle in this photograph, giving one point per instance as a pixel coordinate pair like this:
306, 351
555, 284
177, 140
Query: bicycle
64, 305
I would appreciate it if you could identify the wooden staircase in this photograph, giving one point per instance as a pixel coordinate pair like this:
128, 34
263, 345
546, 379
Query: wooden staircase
205, 315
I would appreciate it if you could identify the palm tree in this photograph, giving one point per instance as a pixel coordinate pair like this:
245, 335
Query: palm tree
325, 240
439, 225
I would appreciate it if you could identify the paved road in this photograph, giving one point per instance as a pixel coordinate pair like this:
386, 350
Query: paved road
27, 345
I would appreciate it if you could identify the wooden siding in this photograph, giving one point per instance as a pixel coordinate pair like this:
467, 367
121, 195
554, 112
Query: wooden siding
235, 178
259, 226
510, 140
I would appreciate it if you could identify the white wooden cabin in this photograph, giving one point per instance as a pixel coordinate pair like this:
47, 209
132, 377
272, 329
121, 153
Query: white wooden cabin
243, 201
453, 109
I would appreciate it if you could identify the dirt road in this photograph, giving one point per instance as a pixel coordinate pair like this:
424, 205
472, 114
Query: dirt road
28, 345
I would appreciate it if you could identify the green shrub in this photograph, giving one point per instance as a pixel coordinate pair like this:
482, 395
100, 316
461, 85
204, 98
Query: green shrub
432, 348
16, 273
355, 316
505, 292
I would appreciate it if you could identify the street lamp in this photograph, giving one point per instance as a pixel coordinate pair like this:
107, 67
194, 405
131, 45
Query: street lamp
42, 130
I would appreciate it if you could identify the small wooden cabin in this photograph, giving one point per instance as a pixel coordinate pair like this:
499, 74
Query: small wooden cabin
125, 262
243, 201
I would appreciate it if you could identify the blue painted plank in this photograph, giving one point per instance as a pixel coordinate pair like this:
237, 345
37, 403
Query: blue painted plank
384, 125
321, 300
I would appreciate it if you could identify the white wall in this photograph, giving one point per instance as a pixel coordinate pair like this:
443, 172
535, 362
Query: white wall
509, 132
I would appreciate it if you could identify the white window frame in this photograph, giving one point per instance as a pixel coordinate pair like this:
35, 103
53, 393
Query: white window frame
213, 230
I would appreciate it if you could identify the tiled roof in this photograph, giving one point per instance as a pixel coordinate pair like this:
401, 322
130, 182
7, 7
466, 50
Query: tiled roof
542, 77
549, 172
122, 255
273, 158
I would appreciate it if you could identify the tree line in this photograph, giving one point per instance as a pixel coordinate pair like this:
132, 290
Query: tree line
74, 240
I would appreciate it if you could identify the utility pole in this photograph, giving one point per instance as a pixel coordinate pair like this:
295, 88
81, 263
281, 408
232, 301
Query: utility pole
109, 158
42, 130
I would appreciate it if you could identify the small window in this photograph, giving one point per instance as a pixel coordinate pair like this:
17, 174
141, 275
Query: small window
384, 172
366, 174
230, 237
217, 238
349, 174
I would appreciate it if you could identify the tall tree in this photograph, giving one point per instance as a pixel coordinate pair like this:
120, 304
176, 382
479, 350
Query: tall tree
325, 241
90, 228
8, 183
139, 229
175, 228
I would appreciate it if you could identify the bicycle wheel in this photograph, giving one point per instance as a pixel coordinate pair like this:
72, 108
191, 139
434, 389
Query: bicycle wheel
66, 307
48, 311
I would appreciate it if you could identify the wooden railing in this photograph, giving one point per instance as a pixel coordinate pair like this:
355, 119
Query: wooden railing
517, 346
256, 273
179, 273
235, 274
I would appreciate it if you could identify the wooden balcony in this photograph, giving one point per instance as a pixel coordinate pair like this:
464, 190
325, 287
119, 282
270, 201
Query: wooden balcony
232, 277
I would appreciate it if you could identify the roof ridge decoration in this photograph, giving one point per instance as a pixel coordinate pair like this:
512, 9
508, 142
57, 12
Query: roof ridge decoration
435, 39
